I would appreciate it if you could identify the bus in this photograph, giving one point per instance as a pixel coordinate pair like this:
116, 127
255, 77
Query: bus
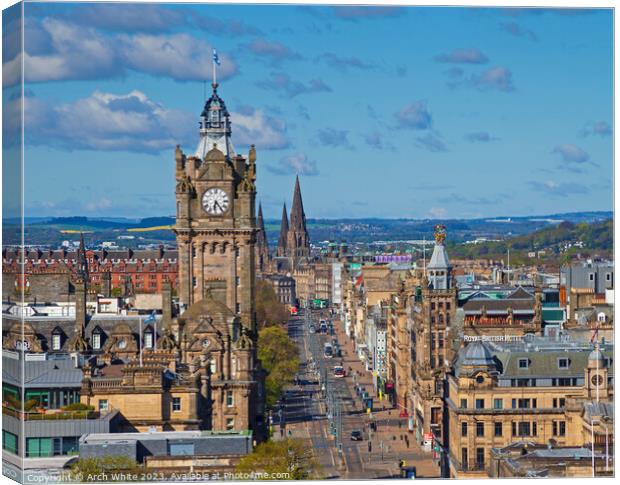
328, 352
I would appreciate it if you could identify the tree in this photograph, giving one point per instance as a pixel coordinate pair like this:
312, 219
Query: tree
89, 469
279, 357
287, 459
269, 310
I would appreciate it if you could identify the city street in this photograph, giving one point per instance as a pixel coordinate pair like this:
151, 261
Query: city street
325, 410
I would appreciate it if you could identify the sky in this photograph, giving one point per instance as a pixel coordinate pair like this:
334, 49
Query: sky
382, 111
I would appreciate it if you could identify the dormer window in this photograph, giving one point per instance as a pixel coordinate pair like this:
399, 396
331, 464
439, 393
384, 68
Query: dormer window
524, 363
601, 317
563, 363
96, 339
56, 339
148, 339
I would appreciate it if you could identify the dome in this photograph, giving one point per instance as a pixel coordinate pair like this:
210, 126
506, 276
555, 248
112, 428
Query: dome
477, 354
208, 307
596, 357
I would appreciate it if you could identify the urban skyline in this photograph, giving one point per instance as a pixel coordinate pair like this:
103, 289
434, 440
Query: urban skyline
472, 117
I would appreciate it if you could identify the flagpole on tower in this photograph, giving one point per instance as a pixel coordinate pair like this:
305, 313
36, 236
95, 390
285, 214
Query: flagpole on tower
216, 62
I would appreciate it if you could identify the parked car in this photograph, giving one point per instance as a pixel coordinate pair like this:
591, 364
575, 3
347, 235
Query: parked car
356, 435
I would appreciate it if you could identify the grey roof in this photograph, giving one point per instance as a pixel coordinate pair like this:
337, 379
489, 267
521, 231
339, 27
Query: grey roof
53, 373
477, 355
439, 259
598, 410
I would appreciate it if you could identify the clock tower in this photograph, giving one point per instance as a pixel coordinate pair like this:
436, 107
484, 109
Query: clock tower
216, 231
215, 224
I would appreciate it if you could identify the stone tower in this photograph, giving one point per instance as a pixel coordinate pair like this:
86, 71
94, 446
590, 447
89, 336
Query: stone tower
262, 246
297, 241
216, 226
216, 238
282, 241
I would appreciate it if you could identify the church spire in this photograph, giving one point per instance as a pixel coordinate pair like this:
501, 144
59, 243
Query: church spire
298, 217
298, 241
283, 233
262, 245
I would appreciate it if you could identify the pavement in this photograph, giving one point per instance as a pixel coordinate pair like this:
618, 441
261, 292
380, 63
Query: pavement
305, 414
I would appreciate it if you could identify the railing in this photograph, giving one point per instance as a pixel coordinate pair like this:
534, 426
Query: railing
51, 415
106, 382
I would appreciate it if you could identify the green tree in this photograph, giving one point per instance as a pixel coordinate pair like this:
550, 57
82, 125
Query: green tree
279, 357
88, 469
287, 459
269, 310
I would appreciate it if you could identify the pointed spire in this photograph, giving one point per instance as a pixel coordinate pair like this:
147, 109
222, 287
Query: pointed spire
262, 245
298, 217
283, 232
260, 224
82, 264
298, 240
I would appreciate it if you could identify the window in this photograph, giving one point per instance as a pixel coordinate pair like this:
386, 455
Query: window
9, 442
497, 429
213, 366
229, 399
148, 340
601, 317
479, 379
464, 403
181, 449
498, 403
194, 281
479, 403
559, 402
523, 363
103, 404
464, 458
230, 424
524, 429
563, 363
463, 429
176, 404
237, 308
238, 281
591, 276
479, 429
39, 447
56, 341
96, 340
480, 458
432, 305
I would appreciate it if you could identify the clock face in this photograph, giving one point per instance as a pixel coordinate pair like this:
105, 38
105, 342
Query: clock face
206, 343
597, 380
215, 201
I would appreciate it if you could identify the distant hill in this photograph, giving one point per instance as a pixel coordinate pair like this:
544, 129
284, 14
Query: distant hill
565, 238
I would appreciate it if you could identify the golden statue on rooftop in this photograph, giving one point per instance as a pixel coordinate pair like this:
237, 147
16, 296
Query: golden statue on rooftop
440, 233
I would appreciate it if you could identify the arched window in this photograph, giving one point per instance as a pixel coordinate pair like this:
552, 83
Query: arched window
213, 366
601, 317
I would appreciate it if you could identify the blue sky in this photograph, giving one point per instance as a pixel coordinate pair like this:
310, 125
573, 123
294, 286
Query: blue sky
384, 112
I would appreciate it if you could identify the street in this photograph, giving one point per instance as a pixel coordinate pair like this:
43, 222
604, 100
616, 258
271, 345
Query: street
325, 410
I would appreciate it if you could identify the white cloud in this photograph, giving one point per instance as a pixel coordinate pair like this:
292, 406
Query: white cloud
74, 52
258, 128
105, 121
295, 164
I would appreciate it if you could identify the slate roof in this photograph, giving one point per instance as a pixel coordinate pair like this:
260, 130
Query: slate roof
54, 373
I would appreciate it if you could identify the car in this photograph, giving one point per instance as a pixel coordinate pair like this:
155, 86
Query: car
356, 435
339, 371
